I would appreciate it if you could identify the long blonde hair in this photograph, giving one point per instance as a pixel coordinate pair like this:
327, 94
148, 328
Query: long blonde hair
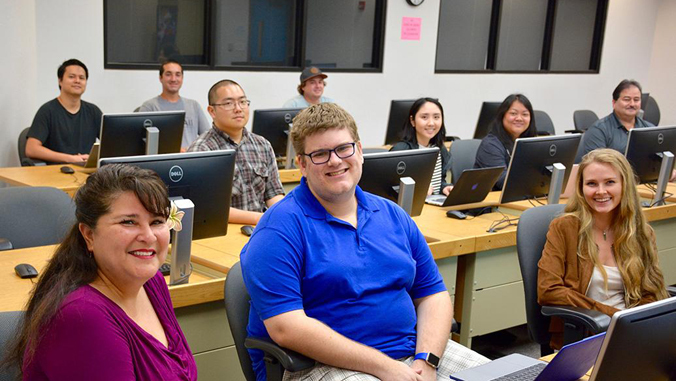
634, 249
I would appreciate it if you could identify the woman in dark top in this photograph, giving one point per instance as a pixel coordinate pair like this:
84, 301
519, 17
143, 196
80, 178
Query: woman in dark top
514, 120
423, 129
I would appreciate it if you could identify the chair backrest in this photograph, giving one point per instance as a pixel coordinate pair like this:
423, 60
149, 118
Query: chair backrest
583, 119
651, 111
237, 309
9, 322
35, 216
531, 235
463, 156
544, 123
23, 159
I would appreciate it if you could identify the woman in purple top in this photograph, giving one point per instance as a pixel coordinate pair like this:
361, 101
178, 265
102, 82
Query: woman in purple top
101, 310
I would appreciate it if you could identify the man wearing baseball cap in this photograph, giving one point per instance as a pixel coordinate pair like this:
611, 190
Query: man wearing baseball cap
311, 89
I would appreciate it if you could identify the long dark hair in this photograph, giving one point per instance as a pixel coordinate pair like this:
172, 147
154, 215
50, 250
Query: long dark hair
409, 130
72, 265
499, 130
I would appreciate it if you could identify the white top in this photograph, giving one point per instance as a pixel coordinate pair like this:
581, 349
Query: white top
614, 296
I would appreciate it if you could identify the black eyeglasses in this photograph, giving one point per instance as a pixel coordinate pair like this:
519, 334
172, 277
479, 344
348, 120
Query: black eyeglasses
230, 105
323, 156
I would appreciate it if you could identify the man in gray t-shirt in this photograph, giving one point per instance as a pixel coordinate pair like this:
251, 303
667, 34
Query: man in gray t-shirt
171, 78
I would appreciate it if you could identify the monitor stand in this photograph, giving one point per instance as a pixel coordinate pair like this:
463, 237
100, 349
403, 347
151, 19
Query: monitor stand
290, 152
663, 179
152, 139
556, 183
181, 244
406, 190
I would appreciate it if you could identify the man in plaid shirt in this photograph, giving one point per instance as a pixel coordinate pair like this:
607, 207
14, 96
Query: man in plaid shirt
256, 185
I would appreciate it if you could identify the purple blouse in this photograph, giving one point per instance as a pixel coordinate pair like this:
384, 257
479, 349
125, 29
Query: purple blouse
92, 338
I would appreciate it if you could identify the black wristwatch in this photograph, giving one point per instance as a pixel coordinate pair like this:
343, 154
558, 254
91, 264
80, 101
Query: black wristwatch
430, 358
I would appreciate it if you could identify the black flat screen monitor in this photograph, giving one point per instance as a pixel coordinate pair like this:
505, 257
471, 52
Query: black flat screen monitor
381, 173
487, 115
203, 177
399, 110
273, 125
529, 172
125, 134
640, 344
644, 146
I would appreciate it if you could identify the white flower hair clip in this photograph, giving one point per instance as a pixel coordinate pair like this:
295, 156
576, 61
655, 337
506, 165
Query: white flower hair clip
175, 217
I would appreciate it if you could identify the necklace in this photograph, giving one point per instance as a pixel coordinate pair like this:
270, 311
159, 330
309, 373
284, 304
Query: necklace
604, 234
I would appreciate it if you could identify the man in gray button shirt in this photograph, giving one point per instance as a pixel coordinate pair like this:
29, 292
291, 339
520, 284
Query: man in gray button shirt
171, 78
612, 131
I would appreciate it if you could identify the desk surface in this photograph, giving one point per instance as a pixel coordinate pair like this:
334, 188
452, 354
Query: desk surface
51, 176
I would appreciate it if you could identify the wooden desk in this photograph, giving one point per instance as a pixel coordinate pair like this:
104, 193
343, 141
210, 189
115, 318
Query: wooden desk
51, 176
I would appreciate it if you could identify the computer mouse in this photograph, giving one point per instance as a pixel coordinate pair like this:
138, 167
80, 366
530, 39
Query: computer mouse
456, 214
24, 270
67, 169
247, 230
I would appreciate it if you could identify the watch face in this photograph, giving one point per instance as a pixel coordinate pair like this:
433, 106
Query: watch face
415, 2
433, 360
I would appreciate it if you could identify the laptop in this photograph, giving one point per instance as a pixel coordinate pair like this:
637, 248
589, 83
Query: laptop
472, 187
572, 362
93, 159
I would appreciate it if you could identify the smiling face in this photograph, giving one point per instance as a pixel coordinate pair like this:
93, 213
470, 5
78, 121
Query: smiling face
427, 123
516, 119
171, 78
628, 103
313, 88
335, 180
74, 81
229, 121
128, 243
602, 188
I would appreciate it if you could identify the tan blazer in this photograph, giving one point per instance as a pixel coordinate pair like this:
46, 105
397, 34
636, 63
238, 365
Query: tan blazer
563, 276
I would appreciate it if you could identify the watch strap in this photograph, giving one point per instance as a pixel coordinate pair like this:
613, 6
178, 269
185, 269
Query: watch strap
430, 358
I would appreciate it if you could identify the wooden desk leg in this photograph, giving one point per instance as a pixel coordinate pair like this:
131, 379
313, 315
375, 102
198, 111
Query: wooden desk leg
464, 298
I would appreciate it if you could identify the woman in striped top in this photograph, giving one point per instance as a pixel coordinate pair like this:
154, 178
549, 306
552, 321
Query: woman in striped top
423, 129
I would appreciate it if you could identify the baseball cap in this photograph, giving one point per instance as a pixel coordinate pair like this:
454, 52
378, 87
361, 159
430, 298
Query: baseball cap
311, 72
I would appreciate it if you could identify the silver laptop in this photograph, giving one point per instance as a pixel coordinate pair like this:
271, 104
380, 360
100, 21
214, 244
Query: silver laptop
571, 363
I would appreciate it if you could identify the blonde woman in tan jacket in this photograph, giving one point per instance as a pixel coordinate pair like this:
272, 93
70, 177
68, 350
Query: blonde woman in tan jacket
601, 254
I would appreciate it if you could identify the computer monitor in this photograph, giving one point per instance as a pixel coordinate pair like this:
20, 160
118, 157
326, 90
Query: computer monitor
650, 152
487, 115
127, 134
399, 110
536, 163
273, 125
381, 174
640, 344
203, 177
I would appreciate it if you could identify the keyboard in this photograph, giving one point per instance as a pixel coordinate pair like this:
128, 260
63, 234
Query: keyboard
165, 269
526, 374
436, 199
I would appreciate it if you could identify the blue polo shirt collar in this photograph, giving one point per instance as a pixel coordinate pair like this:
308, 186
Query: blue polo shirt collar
313, 209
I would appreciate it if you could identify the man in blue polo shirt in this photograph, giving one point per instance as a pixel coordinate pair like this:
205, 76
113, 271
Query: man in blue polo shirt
346, 277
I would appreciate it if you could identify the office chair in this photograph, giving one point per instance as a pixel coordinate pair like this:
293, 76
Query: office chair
531, 235
277, 359
544, 123
23, 159
651, 111
463, 156
583, 119
9, 322
35, 216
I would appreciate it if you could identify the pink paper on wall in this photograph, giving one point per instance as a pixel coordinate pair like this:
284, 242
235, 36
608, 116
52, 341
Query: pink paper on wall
410, 28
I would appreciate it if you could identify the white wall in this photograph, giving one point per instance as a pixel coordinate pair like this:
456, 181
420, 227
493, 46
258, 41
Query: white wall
41, 34
662, 78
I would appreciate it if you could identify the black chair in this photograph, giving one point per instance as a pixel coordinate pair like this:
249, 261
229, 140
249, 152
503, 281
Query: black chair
463, 156
23, 159
544, 123
651, 111
277, 359
9, 322
531, 235
583, 119
34, 216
